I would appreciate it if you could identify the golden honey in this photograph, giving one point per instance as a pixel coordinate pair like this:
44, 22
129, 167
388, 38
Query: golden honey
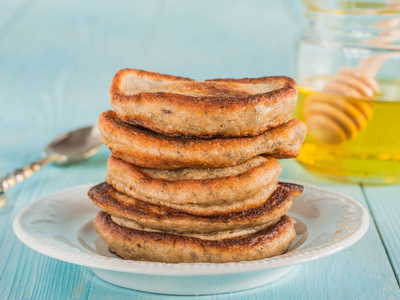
365, 146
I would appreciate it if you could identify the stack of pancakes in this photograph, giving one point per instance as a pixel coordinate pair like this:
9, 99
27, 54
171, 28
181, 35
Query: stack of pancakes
193, 175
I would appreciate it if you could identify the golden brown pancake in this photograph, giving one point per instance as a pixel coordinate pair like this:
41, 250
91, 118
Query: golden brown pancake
198, 191
148, 149
165, 247
167, 219
175, 106
215, 235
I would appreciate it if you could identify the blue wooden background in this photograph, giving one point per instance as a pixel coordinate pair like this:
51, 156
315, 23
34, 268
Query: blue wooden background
57, 59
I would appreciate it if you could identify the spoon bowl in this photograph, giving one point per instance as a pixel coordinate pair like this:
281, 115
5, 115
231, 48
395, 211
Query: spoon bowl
74, 146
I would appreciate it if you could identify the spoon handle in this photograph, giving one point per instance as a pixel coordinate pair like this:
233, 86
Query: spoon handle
3, 199
20, 174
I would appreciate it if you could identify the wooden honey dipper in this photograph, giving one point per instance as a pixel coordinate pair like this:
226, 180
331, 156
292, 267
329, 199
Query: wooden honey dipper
339, 113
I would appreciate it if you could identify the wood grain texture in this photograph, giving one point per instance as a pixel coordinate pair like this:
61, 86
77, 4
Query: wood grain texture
384, 202
56, 63
12, 12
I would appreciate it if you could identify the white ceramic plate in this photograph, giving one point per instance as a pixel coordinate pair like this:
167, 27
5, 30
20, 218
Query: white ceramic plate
60, 226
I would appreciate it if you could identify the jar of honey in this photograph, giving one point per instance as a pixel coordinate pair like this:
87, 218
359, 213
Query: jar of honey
348, 71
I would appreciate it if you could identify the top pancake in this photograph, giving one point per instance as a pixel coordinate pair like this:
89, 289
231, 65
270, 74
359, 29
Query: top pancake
175, 106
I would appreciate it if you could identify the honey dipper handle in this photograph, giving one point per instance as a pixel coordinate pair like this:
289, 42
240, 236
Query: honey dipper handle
372, 64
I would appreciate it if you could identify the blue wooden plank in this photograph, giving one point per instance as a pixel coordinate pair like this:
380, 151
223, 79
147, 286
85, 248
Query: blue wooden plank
26, 274
180, 40
384, 202
11, 12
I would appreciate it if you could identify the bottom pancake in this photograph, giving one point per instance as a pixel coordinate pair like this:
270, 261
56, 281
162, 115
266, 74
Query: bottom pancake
165, 247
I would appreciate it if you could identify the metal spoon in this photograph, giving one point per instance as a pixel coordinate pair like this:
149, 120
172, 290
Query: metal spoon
68, 148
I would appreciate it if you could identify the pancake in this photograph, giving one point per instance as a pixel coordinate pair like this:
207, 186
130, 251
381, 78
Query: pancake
215, 235
180, 106
171, 248
167, 219
198, 191
148, 149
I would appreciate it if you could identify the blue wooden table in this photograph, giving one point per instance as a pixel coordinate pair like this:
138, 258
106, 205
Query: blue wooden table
56, 62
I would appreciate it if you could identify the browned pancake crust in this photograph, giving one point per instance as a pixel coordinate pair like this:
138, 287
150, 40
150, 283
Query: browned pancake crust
198, 196
165, 218
217, 107
164, 247
148, 149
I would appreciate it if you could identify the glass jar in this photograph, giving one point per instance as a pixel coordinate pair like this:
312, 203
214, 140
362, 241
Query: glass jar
348, 72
